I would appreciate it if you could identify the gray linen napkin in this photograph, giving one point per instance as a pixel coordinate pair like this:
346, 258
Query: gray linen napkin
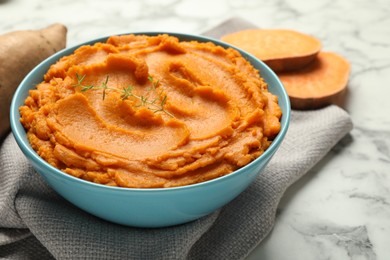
36, 223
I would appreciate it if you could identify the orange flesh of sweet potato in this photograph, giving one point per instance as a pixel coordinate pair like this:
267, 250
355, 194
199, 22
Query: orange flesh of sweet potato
319, 84
281, 50
20, 52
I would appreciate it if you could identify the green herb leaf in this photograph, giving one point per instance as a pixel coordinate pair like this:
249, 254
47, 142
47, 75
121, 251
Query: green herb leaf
127, 92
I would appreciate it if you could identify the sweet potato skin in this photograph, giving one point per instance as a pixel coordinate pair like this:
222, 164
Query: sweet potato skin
20, 52
290, 64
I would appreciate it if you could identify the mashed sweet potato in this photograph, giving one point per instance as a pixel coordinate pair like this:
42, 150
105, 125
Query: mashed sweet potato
143, 111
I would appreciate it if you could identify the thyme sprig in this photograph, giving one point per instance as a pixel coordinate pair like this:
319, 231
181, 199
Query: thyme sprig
153, 100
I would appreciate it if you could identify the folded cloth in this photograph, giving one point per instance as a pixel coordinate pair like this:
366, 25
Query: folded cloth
36, 223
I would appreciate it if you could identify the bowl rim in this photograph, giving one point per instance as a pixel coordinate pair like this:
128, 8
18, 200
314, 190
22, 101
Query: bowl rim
32, 154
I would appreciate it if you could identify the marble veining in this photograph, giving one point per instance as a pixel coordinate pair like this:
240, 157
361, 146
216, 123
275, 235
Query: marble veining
352, 241
341, 208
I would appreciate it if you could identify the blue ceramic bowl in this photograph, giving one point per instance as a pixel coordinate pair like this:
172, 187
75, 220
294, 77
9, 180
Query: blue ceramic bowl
148, 207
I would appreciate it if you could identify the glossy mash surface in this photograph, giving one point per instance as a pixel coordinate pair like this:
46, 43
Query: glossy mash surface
214, 113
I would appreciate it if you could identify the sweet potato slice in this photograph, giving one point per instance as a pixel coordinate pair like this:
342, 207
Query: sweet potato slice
20, 52
319, 84
280, 49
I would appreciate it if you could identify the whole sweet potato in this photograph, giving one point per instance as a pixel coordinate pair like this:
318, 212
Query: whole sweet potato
20, 52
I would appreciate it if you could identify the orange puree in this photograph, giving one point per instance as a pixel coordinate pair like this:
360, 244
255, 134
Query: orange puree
142, 111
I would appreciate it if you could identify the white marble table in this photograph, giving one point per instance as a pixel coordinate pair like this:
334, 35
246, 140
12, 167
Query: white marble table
341, 209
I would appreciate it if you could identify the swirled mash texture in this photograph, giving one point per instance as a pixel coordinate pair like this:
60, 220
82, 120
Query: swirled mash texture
214, 112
